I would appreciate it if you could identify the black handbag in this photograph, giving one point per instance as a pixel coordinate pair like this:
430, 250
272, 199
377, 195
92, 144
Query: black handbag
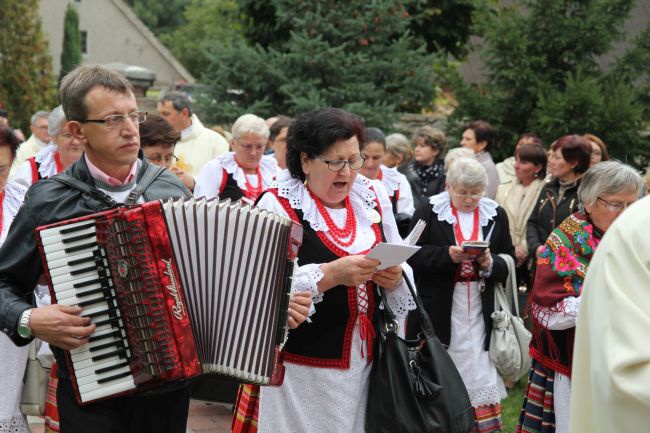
414, 384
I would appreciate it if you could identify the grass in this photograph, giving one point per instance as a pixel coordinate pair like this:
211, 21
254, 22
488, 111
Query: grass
511, 406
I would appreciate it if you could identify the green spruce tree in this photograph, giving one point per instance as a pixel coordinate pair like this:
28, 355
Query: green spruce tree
543, 75
71, 53
26, 82
359, 56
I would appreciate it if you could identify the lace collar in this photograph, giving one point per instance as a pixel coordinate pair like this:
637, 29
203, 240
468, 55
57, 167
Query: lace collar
268, 168
362, 198
47, 162
390, 179
487, 209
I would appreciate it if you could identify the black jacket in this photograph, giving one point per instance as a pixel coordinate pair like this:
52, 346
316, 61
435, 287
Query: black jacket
420, 195
46, 202
548, 213
435, 272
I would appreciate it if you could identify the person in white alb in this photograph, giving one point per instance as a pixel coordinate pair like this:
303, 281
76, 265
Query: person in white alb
35, 143
198, 144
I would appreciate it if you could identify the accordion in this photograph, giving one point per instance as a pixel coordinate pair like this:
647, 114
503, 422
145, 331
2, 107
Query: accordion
174, 288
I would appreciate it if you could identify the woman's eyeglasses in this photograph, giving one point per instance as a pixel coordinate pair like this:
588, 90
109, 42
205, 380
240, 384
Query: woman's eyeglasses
468, 195
339, 164
614, 206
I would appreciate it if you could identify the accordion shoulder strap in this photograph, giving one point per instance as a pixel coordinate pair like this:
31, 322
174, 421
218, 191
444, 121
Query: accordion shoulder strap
150, 174
77, 184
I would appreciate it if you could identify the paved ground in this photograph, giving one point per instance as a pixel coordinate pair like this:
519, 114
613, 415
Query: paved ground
204, 418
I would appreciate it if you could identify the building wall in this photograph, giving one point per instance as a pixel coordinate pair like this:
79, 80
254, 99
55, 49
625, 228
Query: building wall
114, 34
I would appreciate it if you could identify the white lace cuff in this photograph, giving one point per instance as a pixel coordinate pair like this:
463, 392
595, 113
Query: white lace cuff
400, 301
562, 315
305, 279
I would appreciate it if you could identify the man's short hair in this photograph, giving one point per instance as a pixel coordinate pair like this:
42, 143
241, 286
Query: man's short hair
155, 130
81, 80
39, 115
277, 127
178, 99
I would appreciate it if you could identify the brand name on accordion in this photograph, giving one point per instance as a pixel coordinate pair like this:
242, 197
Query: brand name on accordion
177, 310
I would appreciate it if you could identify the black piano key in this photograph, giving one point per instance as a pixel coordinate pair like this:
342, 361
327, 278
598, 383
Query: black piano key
77, 228
106, 322
69, 239
112, 367
110, 355
114, 377
117, 344
84, 270
80, 261
93, 301
114, 334
96, 313
81, 247
90, 292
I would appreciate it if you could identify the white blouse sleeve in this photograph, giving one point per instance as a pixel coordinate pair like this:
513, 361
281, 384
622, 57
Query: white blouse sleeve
399, 299
209, 180
562, 315
23, 175
405, 201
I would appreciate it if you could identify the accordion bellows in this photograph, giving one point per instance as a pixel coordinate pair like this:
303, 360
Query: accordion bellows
174, 288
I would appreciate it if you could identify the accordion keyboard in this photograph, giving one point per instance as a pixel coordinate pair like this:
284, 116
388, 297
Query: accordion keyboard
80, 275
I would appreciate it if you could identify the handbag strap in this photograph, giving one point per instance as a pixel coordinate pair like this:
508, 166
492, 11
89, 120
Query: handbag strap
511, 281
425, 321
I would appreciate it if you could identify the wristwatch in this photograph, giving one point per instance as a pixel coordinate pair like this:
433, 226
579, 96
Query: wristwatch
23, 324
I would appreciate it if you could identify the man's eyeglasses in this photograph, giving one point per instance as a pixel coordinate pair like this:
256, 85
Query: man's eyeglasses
614, 206
339, 164
117, 120
167, 159
468, 195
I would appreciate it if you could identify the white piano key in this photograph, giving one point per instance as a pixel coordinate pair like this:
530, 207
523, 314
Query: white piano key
89, 363
92, 393
59, 238
94, 378
87, 354
57, 230
71, 278
52, 248
57, 263
65, 290
68, 270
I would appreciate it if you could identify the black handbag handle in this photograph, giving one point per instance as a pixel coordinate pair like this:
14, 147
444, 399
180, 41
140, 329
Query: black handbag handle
425, 321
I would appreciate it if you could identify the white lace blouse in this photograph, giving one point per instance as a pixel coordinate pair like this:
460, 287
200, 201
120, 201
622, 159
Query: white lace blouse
210, 177
364, 206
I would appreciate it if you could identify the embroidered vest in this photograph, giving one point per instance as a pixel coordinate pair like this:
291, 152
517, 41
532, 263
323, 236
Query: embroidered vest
327, 340
229, 188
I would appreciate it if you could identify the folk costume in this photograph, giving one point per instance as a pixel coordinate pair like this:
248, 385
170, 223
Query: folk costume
555, 302
224, 177
328, 359
460, 298
44, 164
609, 389
13, 358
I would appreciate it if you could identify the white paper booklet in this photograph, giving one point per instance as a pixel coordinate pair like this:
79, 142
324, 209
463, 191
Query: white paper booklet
396, 254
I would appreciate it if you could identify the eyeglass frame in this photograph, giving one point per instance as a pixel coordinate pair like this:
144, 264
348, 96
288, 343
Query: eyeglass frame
122, 117
618, 206
344, 161
474, 197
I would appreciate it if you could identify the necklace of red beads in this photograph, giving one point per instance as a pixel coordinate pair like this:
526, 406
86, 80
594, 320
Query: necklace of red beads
338, 234
252, 192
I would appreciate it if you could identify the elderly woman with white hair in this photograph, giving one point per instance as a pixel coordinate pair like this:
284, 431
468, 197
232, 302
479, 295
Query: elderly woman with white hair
605, 191
244, 173
59, 154
457, 287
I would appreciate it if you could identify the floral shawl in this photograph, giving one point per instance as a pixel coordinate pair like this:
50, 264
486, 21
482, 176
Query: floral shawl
560, 273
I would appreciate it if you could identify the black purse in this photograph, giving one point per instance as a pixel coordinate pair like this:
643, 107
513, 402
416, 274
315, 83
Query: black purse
414, 384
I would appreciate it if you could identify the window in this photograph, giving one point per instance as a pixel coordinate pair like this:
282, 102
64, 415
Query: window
84, 42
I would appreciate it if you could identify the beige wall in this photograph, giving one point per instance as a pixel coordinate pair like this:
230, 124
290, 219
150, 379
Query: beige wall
112, 37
